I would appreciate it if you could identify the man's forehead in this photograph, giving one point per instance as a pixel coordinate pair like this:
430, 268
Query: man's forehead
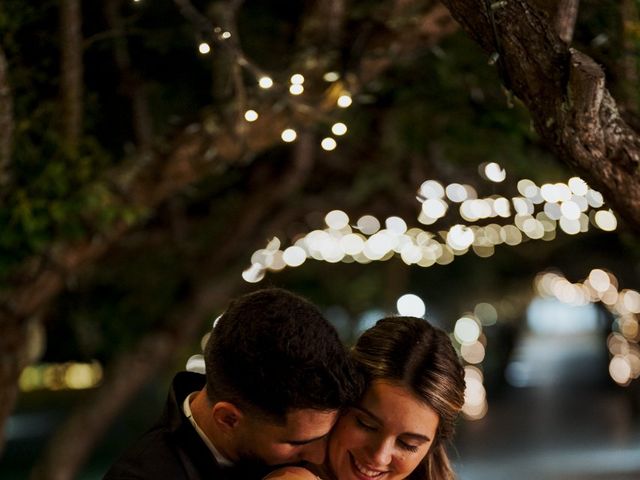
308, 422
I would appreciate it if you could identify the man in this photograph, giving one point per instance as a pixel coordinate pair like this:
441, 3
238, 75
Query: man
276, 376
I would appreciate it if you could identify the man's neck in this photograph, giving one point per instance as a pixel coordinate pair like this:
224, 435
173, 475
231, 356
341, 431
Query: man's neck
201, 411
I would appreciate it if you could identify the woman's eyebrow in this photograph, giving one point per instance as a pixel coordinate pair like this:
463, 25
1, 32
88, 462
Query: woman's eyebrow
416, 436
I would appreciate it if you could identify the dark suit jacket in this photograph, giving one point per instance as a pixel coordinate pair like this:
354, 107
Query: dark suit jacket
171, 449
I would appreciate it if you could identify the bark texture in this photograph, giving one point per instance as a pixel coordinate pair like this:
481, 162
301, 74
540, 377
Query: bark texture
565, 92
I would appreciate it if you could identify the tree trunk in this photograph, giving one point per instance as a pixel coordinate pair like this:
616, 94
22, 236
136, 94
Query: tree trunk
6, 121
565, 92
71, 71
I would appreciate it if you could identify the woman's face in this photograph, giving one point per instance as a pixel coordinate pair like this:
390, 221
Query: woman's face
385, 437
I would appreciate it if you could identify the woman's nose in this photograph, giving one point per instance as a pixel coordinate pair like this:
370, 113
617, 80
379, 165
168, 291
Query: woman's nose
382, 452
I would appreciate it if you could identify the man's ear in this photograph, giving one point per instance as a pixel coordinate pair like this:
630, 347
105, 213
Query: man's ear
226, 416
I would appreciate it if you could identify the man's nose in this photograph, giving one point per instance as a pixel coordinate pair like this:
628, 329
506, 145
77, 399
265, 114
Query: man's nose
315, 452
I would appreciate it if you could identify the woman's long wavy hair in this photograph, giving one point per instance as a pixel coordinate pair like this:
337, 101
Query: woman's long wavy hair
415, 354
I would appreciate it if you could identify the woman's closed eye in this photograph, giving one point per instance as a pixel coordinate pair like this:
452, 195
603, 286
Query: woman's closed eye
365, 425
407, 446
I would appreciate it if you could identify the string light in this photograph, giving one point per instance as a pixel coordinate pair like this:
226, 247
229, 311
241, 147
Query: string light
296, 89
534, 218
328, 144
250, 115
225, 35
339, 128
297, 79
289, 135
494, 172
204, 48
265, 82
331, 77
602, 286
344, 100
61, 376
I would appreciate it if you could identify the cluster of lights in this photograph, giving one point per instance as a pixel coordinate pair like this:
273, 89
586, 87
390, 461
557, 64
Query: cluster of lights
566, 205
471, 343
366, 240
296, 87
60, 376
602, 286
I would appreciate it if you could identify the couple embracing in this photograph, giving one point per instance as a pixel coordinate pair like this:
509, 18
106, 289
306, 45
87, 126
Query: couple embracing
283, 400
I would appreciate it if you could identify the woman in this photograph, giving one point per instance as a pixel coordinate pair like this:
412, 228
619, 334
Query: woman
400, 428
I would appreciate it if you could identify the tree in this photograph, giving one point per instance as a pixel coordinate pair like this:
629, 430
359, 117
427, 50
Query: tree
124, 181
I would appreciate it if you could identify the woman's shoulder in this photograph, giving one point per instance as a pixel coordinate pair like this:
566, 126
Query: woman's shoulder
292, 473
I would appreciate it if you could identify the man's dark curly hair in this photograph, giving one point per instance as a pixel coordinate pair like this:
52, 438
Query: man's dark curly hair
273, 351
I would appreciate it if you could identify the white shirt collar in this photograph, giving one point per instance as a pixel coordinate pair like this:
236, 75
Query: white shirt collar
221, 459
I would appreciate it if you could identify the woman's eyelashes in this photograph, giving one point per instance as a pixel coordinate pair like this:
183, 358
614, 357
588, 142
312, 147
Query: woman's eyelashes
365, 425
372, 428
406, 446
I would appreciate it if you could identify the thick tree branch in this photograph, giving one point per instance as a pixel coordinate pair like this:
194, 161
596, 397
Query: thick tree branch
565, 19
71, 71
71, 445
565, 93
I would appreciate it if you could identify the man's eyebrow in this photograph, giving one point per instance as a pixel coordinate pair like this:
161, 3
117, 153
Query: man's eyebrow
306, 441
416, 436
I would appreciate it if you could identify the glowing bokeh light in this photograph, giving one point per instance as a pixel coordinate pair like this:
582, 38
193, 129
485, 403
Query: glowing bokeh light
434, 208
466, 330
578, 186
431, 189
296, 89
495, 172
288, 135
336, 219
606, 220
297, 79
352, 244
486, 313
265, 82
344, 100
294, 256
599, 280
456, 193
339, 128
396, 225
473, 353
411, 305
368, 224
460, 237
250, 115
331, 76
620, 370
328, 144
